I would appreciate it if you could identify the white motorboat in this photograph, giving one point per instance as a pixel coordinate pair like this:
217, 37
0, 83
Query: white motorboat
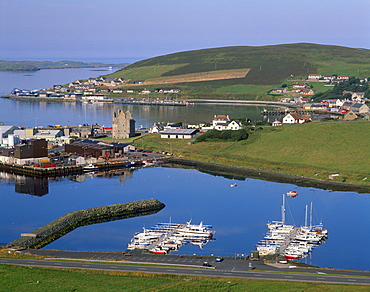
193, 230
90, 167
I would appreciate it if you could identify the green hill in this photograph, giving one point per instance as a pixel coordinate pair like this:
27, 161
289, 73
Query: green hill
269, 66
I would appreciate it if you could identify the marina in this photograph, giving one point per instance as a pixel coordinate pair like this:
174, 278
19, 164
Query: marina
289, 241
166, 237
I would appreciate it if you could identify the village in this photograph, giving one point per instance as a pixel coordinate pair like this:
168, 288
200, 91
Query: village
94, 90
33, 146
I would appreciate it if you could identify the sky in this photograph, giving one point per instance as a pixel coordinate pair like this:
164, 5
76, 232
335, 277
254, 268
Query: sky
140, 29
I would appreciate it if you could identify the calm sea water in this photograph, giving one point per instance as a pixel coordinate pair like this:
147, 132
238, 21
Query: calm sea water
30, 114
239, 215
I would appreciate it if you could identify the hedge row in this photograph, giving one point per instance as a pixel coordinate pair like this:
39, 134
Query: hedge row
65, 224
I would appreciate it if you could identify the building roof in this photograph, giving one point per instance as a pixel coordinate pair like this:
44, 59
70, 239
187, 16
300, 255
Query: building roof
91, 145
4, 129
47, 132
357, 105
179, 131
221, 117
114, 144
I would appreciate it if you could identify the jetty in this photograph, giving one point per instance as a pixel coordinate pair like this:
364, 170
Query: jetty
289, 241
70, 221
166, 237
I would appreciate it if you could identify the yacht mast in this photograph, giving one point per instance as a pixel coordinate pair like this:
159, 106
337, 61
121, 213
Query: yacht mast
283, 210
306, 215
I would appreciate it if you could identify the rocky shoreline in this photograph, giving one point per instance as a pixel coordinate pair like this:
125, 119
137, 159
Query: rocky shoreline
243, 172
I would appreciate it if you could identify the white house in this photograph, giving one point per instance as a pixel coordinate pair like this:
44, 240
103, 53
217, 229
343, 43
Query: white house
234, 125
220, 119
294, 118
222, 122
314, 76
276, 123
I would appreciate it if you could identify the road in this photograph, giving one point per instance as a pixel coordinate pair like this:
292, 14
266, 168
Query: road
178, 265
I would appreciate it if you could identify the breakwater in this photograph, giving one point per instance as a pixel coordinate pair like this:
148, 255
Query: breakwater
70, 221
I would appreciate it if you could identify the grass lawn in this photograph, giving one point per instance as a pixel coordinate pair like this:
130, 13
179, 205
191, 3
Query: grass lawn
19, 278
313, 150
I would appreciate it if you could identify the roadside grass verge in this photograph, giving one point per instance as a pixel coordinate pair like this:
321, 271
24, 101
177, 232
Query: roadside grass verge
314, 150
21, 278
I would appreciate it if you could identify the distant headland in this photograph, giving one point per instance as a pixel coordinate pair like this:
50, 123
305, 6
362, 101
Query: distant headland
38, 65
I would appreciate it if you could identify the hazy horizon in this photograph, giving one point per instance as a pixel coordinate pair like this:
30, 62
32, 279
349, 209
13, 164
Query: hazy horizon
79, 29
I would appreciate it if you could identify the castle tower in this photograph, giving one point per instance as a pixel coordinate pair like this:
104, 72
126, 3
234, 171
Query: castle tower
123, 125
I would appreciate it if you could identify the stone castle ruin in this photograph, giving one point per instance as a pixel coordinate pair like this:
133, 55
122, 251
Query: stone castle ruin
123, 125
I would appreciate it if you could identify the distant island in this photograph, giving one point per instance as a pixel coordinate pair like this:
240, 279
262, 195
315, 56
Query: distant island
38, 65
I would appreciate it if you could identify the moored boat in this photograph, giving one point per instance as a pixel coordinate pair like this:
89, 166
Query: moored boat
292, 194
158, 250
90, 167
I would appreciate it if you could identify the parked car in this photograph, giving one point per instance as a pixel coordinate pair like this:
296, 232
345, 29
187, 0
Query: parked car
207, 264
219, 259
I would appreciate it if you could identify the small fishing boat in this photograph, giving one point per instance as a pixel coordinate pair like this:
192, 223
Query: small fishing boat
90, 167
233, 185
158, 250
292, 194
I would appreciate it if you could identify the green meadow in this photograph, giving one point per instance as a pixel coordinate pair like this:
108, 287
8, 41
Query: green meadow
21, 278
313, 150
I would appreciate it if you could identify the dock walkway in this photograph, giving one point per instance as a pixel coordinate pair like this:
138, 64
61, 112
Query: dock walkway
164, 237
288, 240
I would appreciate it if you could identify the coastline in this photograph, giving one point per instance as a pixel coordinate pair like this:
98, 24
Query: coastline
243, 172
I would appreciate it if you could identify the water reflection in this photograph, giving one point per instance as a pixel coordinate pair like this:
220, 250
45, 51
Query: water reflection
122, 174
34, 186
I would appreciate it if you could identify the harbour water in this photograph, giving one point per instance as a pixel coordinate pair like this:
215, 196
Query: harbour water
238, 214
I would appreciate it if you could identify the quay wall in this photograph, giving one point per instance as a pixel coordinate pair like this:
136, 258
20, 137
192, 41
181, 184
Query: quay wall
70, 221
63, 170
40, 172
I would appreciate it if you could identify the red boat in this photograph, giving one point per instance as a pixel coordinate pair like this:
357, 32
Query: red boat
292, 194
158, 250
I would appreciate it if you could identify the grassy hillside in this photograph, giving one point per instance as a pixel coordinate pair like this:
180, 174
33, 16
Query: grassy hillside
313, 150
269, 65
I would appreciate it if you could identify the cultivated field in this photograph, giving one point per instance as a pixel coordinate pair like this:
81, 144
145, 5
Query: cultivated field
201, 76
